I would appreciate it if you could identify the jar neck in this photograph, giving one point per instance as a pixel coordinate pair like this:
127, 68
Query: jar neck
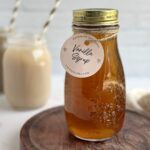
100, 32
27, 41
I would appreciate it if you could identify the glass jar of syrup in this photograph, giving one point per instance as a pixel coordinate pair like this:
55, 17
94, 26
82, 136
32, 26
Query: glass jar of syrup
94, 95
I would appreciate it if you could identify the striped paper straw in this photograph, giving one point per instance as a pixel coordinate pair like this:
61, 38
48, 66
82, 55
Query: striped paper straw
14, 15
50, 18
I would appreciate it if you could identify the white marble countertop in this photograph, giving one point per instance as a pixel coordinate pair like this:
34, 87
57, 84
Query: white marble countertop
11, 120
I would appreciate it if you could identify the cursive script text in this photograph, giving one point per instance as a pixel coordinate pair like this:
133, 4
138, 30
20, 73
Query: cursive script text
87, 51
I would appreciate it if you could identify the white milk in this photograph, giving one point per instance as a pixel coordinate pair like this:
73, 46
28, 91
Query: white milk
27, 68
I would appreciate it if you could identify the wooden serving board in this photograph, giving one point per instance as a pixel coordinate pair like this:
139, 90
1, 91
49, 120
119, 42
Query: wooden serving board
48, 131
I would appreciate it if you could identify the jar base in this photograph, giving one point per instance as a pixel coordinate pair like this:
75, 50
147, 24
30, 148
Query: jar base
93, 140
26, 108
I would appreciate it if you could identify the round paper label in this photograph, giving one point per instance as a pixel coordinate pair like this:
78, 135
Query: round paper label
82, 55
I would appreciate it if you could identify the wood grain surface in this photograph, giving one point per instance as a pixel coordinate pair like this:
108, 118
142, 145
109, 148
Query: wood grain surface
48, 131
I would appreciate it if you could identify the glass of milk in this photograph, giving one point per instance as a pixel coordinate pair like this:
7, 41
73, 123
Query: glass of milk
3, 38
27, 71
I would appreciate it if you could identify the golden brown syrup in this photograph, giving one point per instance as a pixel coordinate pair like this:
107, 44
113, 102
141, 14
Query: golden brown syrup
95, 106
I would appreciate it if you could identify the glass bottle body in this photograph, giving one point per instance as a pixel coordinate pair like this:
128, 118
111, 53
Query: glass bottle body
95, 106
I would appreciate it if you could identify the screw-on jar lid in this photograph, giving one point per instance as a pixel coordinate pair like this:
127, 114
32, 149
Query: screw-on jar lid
95, 17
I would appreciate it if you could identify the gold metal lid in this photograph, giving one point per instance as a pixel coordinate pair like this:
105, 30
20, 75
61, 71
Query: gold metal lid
95, 17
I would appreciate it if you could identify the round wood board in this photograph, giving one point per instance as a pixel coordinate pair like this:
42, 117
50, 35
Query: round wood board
48, 131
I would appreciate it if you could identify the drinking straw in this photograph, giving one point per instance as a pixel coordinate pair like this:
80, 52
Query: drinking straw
14, 15
50, 18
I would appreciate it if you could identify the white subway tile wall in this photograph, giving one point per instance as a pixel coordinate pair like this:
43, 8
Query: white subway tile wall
134, 35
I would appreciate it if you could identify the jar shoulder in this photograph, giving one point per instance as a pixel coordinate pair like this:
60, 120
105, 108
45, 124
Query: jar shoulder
27, 55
